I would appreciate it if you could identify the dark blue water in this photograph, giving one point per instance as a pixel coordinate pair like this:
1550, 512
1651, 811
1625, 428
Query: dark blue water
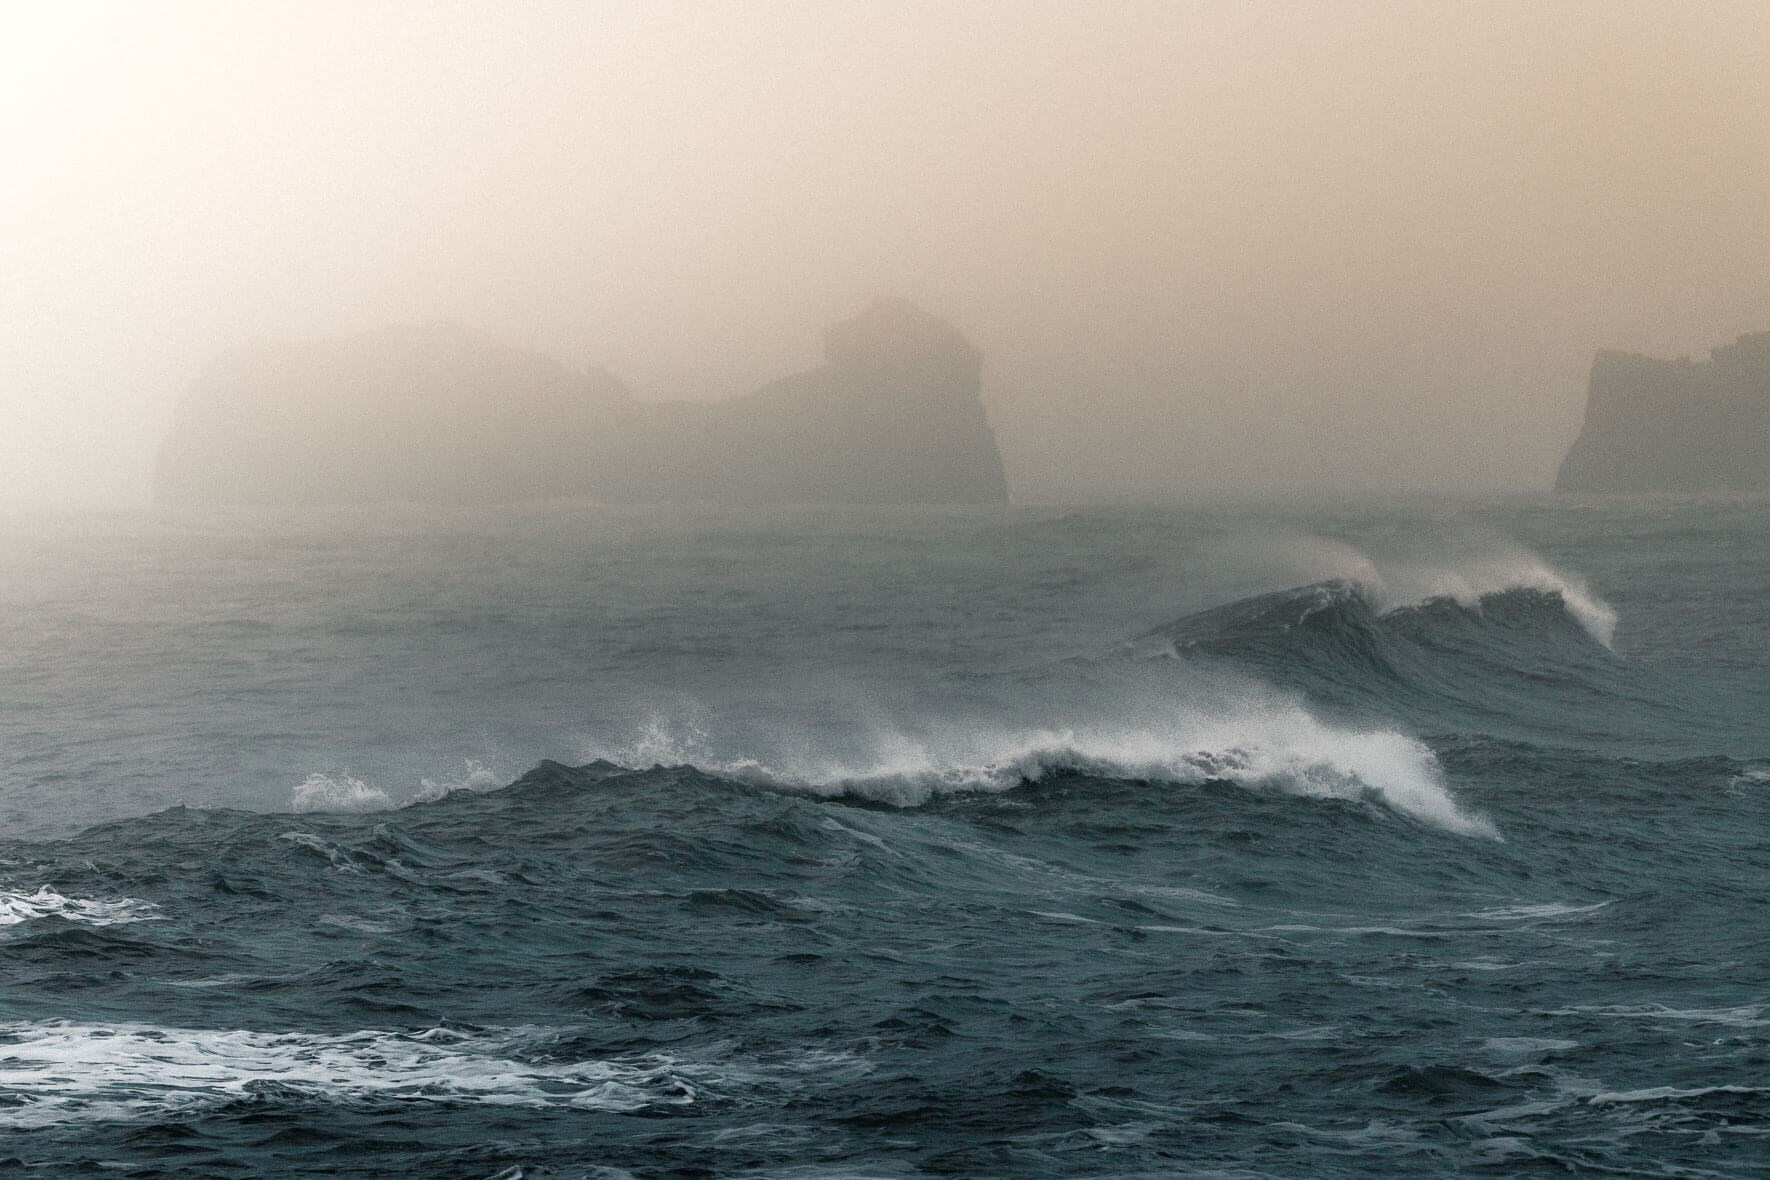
1396, 840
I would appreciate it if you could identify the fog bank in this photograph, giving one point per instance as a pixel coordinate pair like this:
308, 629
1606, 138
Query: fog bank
1205, 249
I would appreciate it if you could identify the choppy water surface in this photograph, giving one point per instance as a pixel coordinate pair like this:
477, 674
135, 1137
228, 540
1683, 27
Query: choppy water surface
1417, 840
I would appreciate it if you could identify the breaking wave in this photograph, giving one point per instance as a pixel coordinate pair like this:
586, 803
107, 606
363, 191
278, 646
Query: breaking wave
341, 793
1520, 660
1468, 581
1301, 623
1279, 748
347, 794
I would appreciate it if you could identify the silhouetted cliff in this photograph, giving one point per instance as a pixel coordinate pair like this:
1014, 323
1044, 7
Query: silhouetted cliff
442, 414
1675, 426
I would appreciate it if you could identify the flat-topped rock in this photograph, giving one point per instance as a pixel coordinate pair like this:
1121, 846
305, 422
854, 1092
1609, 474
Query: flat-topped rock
1677, 426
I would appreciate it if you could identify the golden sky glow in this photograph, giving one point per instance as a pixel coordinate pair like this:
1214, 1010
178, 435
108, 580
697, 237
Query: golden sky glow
1204, 247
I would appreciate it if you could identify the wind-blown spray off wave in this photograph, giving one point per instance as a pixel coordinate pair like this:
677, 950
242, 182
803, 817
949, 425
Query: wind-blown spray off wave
341, 793
1467, 580
1272, 746
1282, 749
1346, 619
1518, 659
337, 793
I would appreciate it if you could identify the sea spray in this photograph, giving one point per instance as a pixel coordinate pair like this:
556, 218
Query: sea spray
337, 792
1462, 569
1266, 745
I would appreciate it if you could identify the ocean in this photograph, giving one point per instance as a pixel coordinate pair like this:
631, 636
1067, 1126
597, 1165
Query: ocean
1374, 839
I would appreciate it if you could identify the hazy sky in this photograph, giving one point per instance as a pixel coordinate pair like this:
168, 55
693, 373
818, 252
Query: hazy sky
1205, 247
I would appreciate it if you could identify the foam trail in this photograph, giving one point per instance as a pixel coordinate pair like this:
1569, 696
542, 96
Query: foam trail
60, 1072
16, 908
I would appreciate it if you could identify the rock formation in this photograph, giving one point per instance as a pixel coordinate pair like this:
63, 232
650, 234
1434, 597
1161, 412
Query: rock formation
441, 414
1675, 426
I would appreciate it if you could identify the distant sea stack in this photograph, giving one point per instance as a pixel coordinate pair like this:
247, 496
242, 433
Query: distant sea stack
1675, 426
442, 414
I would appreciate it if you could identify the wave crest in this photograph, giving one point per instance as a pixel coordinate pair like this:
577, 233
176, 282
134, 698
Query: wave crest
1521, 651
1281, 749
1474, 585
342, 793
347, 794
1464, 571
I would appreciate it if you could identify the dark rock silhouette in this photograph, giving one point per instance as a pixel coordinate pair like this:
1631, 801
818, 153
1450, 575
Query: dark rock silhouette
1675, 426
441, 414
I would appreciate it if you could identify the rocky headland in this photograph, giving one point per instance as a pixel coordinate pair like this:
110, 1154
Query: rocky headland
442, 414
1675, 426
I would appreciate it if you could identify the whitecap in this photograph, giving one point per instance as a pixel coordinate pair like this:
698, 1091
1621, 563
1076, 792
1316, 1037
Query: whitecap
476, 778
1486, 567
343, 793
1469, 584
1212, 727
47, 903
1283, 751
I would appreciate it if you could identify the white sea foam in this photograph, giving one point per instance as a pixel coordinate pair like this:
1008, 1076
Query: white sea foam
1265, 745
325, 792
47, 903
59, 1072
